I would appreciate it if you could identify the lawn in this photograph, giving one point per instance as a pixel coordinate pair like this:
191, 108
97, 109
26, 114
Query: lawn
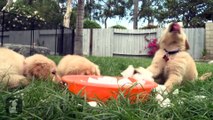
46, 100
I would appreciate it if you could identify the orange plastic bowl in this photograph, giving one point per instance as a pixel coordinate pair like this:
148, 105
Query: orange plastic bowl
79, 85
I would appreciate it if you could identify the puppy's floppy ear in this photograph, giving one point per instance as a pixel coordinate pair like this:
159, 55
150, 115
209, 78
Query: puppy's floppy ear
97, 70
167, 25
187, 45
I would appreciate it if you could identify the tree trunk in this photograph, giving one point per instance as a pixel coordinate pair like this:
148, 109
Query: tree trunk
135, 14
7, 6
150, 20
67, 15
105, 22
79, 28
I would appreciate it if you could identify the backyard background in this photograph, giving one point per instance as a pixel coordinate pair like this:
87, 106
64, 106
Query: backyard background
110, 42
36, 23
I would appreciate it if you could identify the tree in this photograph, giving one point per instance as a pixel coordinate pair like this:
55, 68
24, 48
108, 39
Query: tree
102, 10
73, 17
8, 5
193, 13
2, 3
79, 28
46, 10
145, 10
135, 14
149, 10
67, 15
90, 6
49, 10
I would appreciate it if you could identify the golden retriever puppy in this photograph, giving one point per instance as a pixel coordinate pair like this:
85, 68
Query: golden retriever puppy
172, 64
77, 65
39, 66
11, 69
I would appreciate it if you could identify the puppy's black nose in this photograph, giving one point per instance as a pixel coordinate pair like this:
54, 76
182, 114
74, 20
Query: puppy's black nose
54, 72
175, 27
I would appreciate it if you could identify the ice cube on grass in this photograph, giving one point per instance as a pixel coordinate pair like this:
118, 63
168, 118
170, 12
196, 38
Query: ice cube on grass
163, 102
175, 92
159, 97
93, 103
166, 103
199, 97
161, 89
161, 93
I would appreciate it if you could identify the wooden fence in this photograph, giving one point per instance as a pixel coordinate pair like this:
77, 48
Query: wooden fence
104, 42
117, 42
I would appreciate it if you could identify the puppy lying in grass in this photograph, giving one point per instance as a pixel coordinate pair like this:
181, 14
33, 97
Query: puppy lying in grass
40, 67
11, 69
172, 64
76, 65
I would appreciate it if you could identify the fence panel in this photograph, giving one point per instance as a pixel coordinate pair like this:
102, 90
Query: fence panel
48, 39
109, 42
102, 45
196, 38
86, 41
103, 42
131, 42
65, 44
19, 37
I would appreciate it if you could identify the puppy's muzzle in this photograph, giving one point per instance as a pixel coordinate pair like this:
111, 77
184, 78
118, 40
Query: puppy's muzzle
175, 28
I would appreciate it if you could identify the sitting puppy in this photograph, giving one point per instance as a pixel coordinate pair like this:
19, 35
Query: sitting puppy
11, 69
77, 65
172, 64
39, 66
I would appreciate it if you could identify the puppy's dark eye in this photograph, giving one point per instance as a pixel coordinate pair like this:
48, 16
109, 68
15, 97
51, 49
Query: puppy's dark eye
135, 72
54, 72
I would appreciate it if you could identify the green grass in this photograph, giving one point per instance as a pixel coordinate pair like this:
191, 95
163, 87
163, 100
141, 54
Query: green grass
46, 100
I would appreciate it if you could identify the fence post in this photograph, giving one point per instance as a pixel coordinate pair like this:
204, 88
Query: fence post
32, 36
56, 36
90, 42
2, 29
209, 40
61, 41
73, 41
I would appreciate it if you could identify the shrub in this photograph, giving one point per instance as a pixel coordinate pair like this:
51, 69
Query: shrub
118, 27
152, 47
91, 24
149, 27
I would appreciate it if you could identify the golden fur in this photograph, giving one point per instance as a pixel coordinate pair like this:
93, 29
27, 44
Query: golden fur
77, 65
180, 66
11, 68
39, 66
